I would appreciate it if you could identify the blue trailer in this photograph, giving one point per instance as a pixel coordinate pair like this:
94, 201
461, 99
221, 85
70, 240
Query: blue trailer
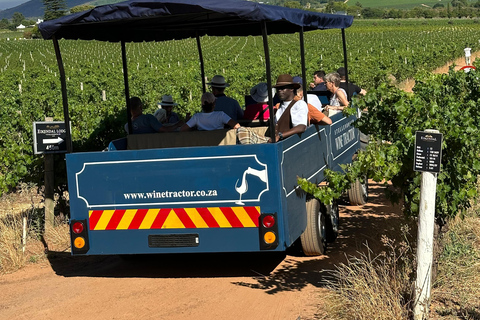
194, 192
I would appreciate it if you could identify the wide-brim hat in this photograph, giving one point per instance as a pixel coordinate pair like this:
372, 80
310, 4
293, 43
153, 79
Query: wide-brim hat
218, 82
286, 80
259, 92
167, 100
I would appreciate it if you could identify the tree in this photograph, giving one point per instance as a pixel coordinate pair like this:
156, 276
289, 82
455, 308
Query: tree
17, 19
4, 24
54, 9
82, 7
372, 13
36, 33
334, 6
293, 4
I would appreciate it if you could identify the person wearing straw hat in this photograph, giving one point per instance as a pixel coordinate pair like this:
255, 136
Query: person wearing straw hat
223, 103
167, 117
258, 110
291, 116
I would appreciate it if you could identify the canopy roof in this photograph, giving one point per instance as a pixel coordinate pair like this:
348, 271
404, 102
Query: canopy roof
158, 20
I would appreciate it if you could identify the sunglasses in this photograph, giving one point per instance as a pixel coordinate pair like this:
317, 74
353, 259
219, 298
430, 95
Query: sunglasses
283, 88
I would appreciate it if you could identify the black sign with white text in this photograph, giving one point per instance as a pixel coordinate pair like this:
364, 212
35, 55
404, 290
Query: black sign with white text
428, 151
49, 137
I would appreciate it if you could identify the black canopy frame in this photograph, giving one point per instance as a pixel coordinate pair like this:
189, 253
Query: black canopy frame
161, 20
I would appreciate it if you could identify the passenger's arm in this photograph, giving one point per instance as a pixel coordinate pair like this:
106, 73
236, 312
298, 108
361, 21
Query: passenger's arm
170, 128
343, 99
185, 127
295, 130
326, 120
233, 124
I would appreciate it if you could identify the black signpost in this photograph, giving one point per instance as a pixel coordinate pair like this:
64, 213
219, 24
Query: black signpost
428, 151
49, 137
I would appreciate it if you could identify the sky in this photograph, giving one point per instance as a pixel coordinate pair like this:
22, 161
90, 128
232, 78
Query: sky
7, 4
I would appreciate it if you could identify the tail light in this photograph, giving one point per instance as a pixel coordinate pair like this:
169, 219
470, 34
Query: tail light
268, 231
79, 235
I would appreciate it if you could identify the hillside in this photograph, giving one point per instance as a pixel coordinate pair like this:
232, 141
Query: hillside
34, 8
399, 4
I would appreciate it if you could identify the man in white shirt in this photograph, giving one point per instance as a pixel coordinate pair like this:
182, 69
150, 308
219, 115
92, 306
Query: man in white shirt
209, 119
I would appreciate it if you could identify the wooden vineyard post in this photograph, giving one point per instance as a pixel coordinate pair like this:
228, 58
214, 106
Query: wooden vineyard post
428, 148
49, 167
49, 187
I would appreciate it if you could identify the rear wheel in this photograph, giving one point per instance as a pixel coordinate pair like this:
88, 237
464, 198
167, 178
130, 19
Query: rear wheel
331, 221
358, 193
313, 238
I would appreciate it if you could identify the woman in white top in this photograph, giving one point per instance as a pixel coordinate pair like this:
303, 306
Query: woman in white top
338, 101
209, 119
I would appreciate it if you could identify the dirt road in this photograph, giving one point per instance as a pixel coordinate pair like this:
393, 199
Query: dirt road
227, 286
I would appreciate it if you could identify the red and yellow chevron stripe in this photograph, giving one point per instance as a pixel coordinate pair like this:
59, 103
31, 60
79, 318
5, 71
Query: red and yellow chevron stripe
178, 218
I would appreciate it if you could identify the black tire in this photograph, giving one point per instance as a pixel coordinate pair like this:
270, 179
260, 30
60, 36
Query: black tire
313, 239
358, 193
332, 221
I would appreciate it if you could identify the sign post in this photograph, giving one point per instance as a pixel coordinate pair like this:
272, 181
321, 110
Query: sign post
49, 137
427, 159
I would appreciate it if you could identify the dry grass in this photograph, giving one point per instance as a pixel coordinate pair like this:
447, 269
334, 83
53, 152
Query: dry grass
378, 287
456, 293
25, 207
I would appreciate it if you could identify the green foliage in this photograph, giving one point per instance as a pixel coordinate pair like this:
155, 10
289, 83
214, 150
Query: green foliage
293, 4
82, 7
17, 19
54, 9
447, 103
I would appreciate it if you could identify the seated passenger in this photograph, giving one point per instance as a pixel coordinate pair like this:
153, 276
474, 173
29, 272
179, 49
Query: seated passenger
259, 110
226, 104
209, 119
143, 123
312, 98
291, 116
166, 117
338, 101
350, 88
315, 116
318, 83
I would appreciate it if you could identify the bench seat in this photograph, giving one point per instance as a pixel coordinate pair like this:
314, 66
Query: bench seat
221, 137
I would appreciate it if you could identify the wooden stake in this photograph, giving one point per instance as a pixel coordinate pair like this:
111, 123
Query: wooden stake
49, 187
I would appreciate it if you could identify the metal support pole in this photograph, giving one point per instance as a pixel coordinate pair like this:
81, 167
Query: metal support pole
426, 224
345, 61
63, 84
269, 80
304, 72
202, 66
127, 89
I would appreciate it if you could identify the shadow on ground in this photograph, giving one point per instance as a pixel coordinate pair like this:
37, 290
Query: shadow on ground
271, 272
